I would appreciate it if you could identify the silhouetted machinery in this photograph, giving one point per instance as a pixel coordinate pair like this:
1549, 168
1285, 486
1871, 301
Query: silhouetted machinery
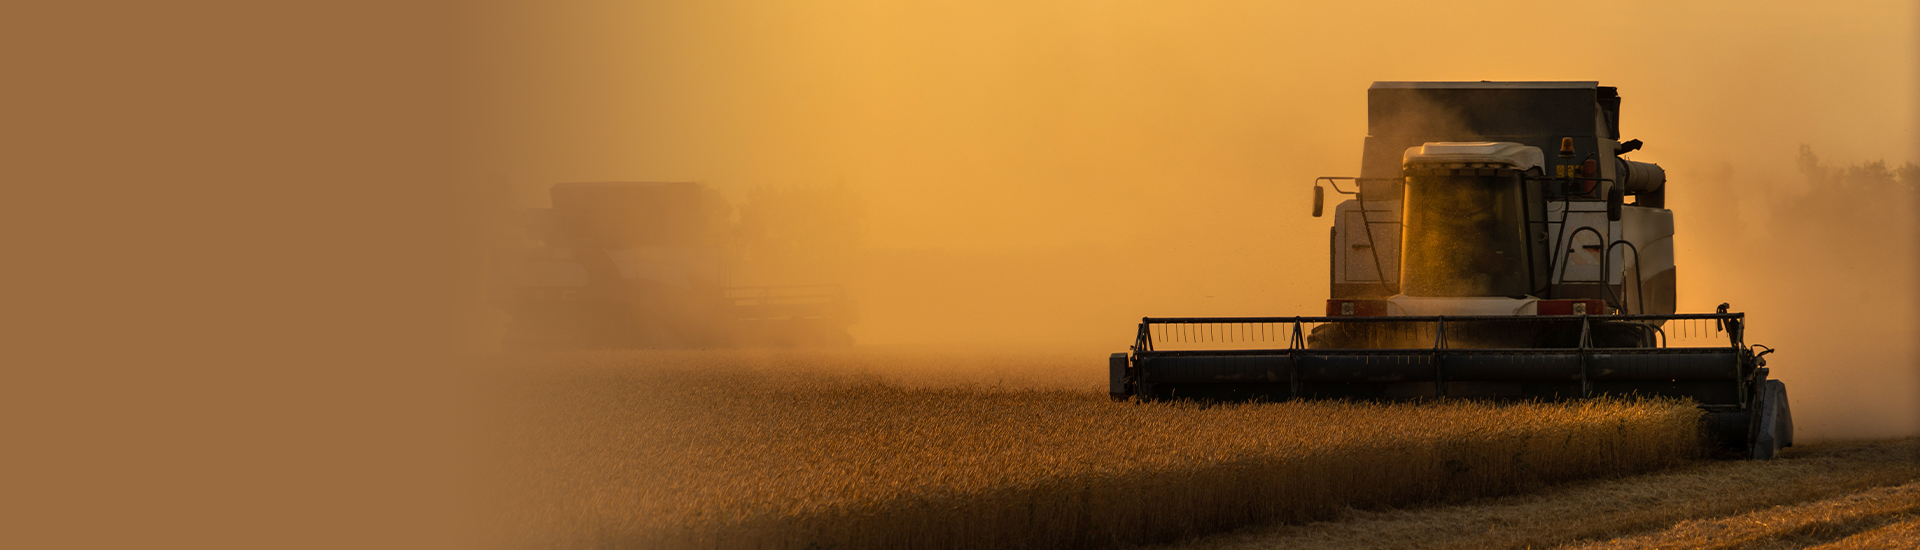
647, 265
1488, 251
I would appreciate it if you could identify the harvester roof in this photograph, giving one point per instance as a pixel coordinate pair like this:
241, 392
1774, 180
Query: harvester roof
1501, 154
1489, 85
1540, 114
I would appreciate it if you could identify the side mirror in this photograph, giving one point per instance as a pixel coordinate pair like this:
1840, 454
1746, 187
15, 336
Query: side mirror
1319, 199
1615, 199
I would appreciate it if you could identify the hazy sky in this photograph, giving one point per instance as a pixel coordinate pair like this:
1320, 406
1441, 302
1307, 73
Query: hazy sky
1011, 112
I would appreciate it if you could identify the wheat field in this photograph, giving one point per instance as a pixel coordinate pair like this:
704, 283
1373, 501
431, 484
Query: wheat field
899, 449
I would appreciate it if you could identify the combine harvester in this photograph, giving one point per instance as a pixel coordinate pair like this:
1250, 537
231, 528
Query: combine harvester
1489, 252
648, 265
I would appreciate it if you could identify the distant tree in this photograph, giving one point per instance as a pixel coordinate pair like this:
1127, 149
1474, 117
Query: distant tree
1870, 177
1847, 213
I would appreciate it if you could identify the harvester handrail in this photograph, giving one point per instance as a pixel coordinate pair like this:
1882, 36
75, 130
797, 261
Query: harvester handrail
1442, 351
1437, 318
1222, 330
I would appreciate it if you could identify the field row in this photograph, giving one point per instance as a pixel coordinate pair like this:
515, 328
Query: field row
1870, 519
1801, 494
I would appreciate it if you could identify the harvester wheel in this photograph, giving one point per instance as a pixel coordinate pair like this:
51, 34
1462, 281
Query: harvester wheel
1119, 388
1785, 429
1773, 421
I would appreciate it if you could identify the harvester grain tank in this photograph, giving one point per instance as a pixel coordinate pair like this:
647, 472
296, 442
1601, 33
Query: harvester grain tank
1498, 244
648, 265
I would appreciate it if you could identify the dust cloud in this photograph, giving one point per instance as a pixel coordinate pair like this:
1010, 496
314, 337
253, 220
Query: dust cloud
1822, 259
1050, 172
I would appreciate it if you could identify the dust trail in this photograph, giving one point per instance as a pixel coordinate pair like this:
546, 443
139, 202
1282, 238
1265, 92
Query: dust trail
1822, 260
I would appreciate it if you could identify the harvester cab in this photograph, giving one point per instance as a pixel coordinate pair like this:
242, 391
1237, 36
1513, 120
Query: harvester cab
1488, 250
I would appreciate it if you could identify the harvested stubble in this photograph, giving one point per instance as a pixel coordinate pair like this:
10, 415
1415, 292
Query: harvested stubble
1886, 514
743, 450
1604, 510
1894, 536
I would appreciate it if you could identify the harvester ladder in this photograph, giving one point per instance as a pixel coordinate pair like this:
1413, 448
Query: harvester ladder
1297, 343
1586, 341
1439, 346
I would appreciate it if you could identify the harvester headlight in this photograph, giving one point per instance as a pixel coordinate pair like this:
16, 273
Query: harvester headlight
1570, 307
1359, 308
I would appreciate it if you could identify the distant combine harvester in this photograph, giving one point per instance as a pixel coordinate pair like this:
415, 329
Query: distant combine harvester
648, 265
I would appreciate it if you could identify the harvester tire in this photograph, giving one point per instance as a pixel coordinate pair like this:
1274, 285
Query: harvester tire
1773, 421
1786, 415
1118, 386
